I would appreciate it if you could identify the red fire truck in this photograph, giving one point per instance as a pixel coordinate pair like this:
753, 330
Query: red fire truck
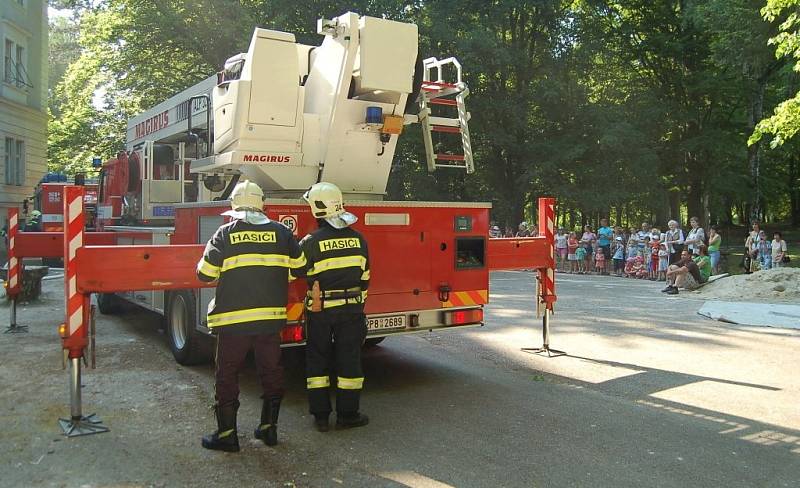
48, 200
287, 115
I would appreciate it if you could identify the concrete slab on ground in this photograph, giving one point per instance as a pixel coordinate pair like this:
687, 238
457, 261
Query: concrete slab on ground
756, 314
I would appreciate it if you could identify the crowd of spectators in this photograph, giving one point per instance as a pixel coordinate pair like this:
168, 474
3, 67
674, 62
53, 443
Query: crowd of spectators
681, 259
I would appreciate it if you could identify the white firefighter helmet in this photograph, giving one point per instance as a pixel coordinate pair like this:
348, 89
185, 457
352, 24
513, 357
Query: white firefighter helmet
247, 195
36, 214
325, 200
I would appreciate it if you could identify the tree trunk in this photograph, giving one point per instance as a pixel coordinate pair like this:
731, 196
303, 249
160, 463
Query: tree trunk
755, 113
794, 191
674, 206
694, 197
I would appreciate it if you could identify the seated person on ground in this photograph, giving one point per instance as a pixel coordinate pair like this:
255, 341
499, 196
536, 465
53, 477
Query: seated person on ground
683, 274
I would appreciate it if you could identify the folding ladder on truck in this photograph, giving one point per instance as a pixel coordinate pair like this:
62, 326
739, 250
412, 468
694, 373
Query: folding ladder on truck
436, 92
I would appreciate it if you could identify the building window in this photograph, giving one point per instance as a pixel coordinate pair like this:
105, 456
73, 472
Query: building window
14, 60
15, 161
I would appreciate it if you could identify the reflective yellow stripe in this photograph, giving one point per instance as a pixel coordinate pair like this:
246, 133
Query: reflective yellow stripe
365, 275
208, 269
338, 263
225, 434
279, 260
318, 382
298, 262
350, 383
364, 296
247, 315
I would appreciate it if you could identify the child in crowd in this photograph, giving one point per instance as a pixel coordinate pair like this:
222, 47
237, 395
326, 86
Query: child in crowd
638, 269
643, 252
580, 253
561, 249
599, 260
619, 256
764, 250
633, 247
655, 246
572, 256
663, 260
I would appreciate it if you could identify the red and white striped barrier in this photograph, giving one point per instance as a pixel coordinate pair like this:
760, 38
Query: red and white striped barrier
74, 331
12, 284
546, 289
14, 278
547, 276
76, 304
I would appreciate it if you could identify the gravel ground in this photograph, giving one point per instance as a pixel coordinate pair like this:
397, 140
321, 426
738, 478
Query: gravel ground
651, 395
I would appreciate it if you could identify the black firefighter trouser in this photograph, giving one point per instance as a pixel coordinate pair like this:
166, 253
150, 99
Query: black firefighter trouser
231, 354
334, 340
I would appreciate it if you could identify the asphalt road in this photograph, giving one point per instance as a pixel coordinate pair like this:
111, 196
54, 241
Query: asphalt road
651, 394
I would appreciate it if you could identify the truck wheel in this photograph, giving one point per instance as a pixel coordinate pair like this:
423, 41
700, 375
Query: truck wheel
184, 341
373, 341
108, 303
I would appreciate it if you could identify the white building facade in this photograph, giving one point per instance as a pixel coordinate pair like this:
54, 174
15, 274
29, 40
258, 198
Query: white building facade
23, 100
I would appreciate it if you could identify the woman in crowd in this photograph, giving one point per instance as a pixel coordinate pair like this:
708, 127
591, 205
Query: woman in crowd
714, 242
674, 241
779, 249
588, 240
572, 252
561, 249
749, 263
696, 237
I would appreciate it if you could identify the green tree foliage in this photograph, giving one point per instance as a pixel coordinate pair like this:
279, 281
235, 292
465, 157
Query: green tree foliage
785, 122
634, 109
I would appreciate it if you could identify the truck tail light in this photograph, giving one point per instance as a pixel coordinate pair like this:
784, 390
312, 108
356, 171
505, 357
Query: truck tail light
461, 317
292, 333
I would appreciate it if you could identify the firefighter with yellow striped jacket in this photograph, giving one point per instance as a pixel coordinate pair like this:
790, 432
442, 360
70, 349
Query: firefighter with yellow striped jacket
250, 258
338, 277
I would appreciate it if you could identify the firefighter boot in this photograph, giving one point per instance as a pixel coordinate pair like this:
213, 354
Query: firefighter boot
225, 438
351, 420
267, 430
321, 422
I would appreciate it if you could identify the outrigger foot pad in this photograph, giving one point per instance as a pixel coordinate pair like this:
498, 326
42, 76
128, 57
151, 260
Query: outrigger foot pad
16, 329
88, 425
551, 353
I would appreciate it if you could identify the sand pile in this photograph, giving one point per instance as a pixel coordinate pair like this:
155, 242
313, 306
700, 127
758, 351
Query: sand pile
772, 285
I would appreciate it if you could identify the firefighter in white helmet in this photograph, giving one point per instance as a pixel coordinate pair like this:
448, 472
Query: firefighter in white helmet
338, 278
251, 258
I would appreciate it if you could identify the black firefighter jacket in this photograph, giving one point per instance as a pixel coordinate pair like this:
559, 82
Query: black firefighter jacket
252, 263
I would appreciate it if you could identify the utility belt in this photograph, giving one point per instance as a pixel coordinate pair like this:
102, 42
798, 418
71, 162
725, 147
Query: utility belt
334, 298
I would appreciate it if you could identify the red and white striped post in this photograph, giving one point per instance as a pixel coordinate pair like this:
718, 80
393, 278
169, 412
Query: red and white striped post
547, 275
547, 217
14, 280
74, 331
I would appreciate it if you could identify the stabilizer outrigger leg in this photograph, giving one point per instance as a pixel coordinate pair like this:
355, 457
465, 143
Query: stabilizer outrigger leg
545, 349
15, 328
78, 424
